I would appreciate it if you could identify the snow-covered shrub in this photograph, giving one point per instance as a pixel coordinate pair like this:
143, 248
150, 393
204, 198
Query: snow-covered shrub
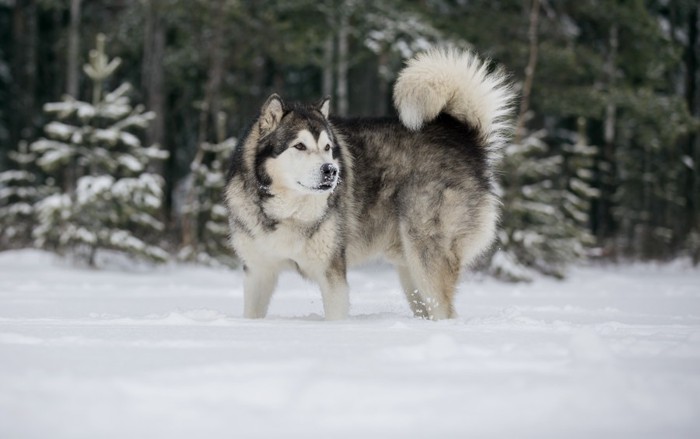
20, 189
108, 195
205, 218
546, 205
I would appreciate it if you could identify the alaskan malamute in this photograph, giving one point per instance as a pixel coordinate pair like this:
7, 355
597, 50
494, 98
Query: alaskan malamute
315, 193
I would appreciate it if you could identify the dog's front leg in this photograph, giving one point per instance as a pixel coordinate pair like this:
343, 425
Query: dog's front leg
335, 293
259, 284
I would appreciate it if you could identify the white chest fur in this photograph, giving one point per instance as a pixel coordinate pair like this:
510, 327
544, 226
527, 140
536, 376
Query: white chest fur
290, 243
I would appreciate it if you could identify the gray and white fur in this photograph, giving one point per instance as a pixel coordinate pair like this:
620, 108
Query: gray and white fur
316, 194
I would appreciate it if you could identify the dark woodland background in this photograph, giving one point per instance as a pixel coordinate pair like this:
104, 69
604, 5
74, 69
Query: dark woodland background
604, 161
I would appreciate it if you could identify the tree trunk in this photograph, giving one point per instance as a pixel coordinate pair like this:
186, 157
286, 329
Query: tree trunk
211, 107
382, 107
343, 63
153, 87
24, 72
152, 75
532, 37
691, 151
217, 58
606, 167
327, 86
73, 56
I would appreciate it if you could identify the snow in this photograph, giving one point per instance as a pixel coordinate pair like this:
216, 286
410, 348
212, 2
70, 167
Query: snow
80, 234
119, 93
91, 188
688, 161
15, 175
53, 152
130, 140
163, 353
52, 204
60, 130
130, 162
109, 136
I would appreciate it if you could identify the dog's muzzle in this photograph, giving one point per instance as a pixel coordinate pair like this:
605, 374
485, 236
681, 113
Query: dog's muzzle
329, 175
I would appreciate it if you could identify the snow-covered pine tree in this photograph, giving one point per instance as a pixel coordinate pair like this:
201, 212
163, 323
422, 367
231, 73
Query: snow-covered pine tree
546, 196
577, 179
205, 219
108, 196
19, 191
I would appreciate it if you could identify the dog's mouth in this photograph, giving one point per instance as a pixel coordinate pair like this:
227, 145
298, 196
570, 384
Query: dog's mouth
323, 187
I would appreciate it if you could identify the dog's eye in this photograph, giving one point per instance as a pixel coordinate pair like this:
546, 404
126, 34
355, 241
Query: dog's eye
327, 148
300, 146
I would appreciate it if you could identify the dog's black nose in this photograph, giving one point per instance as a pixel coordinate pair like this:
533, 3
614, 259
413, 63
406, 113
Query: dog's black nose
329, 171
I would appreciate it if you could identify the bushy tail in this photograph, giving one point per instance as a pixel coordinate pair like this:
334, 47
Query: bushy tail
458, 83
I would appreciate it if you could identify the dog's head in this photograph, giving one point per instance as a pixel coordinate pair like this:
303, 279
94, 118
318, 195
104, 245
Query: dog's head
297, 149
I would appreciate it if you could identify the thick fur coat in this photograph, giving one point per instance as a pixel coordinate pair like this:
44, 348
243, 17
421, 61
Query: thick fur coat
315, 193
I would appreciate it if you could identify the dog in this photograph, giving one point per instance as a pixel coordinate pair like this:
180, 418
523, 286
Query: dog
314, 193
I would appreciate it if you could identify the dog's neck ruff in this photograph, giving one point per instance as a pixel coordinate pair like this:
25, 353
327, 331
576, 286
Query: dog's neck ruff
304, 209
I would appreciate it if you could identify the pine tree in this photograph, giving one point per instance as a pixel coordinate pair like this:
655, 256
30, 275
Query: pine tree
205, 218
4, 93
19, 191
546, 197
577, 179
107, 196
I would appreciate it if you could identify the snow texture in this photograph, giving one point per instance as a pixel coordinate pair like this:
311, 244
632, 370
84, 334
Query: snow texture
163, 353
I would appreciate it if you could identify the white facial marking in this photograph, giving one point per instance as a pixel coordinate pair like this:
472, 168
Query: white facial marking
299, 168
323, 140
307, 139
304, 137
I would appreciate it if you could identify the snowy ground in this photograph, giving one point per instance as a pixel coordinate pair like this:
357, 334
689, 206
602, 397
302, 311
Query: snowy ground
611, 352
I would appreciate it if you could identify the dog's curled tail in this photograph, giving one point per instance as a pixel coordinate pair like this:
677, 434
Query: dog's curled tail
458, 83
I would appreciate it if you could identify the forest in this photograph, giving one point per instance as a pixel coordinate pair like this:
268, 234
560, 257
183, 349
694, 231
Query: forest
117, 117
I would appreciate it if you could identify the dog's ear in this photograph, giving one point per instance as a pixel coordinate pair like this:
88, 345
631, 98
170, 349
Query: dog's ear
324, 106
271, 114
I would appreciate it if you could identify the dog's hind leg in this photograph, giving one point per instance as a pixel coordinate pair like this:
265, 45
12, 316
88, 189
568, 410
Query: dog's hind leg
415, 301
434, 271
436, 284
259, 284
